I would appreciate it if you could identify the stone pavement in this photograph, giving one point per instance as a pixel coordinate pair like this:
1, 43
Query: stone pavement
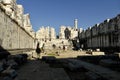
101, 71
38, 70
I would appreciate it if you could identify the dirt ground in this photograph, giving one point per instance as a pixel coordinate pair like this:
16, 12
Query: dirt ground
56, 66
39, 70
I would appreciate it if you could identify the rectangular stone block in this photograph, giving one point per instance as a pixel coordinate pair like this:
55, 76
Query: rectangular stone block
98, 53
49, 59
105, 73
12, 63
118, 54
73, 67
92, 76
109, 63
1, 66
9, 72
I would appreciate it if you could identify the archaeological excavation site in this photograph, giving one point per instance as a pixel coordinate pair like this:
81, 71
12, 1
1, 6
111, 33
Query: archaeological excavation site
74, 54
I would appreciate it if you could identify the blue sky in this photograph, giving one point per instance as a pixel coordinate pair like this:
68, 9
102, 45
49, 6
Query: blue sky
55, 13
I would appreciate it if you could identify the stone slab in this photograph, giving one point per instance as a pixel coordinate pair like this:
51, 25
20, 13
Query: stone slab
9, 72
98, 53
109, 63
92, 76
59, 74
103, 72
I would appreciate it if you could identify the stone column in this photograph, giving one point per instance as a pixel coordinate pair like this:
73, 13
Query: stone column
76, 24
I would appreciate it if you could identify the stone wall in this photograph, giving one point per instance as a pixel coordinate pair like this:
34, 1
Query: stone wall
68, 32
46, 33
59, 43
105, 35
12, 34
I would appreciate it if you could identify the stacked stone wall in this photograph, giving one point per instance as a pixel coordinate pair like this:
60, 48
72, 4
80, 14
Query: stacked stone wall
105, 35
12, 35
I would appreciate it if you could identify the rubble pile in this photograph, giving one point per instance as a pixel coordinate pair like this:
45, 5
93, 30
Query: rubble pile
9, 64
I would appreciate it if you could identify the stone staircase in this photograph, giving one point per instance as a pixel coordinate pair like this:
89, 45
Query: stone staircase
48, 44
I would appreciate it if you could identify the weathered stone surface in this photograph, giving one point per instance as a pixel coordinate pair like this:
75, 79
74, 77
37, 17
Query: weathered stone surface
4, 55
98, 50
104, 72
109, 63
117, 54
1, 66
59, 74
12, 64
14, 36
118, 21
7, 78
20, 15
46, 33
49, 59
73, 66
10, 7
92, 76
41, 71
105, 35
67, 32
97, 58
98, 53
9, 72
8, 2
